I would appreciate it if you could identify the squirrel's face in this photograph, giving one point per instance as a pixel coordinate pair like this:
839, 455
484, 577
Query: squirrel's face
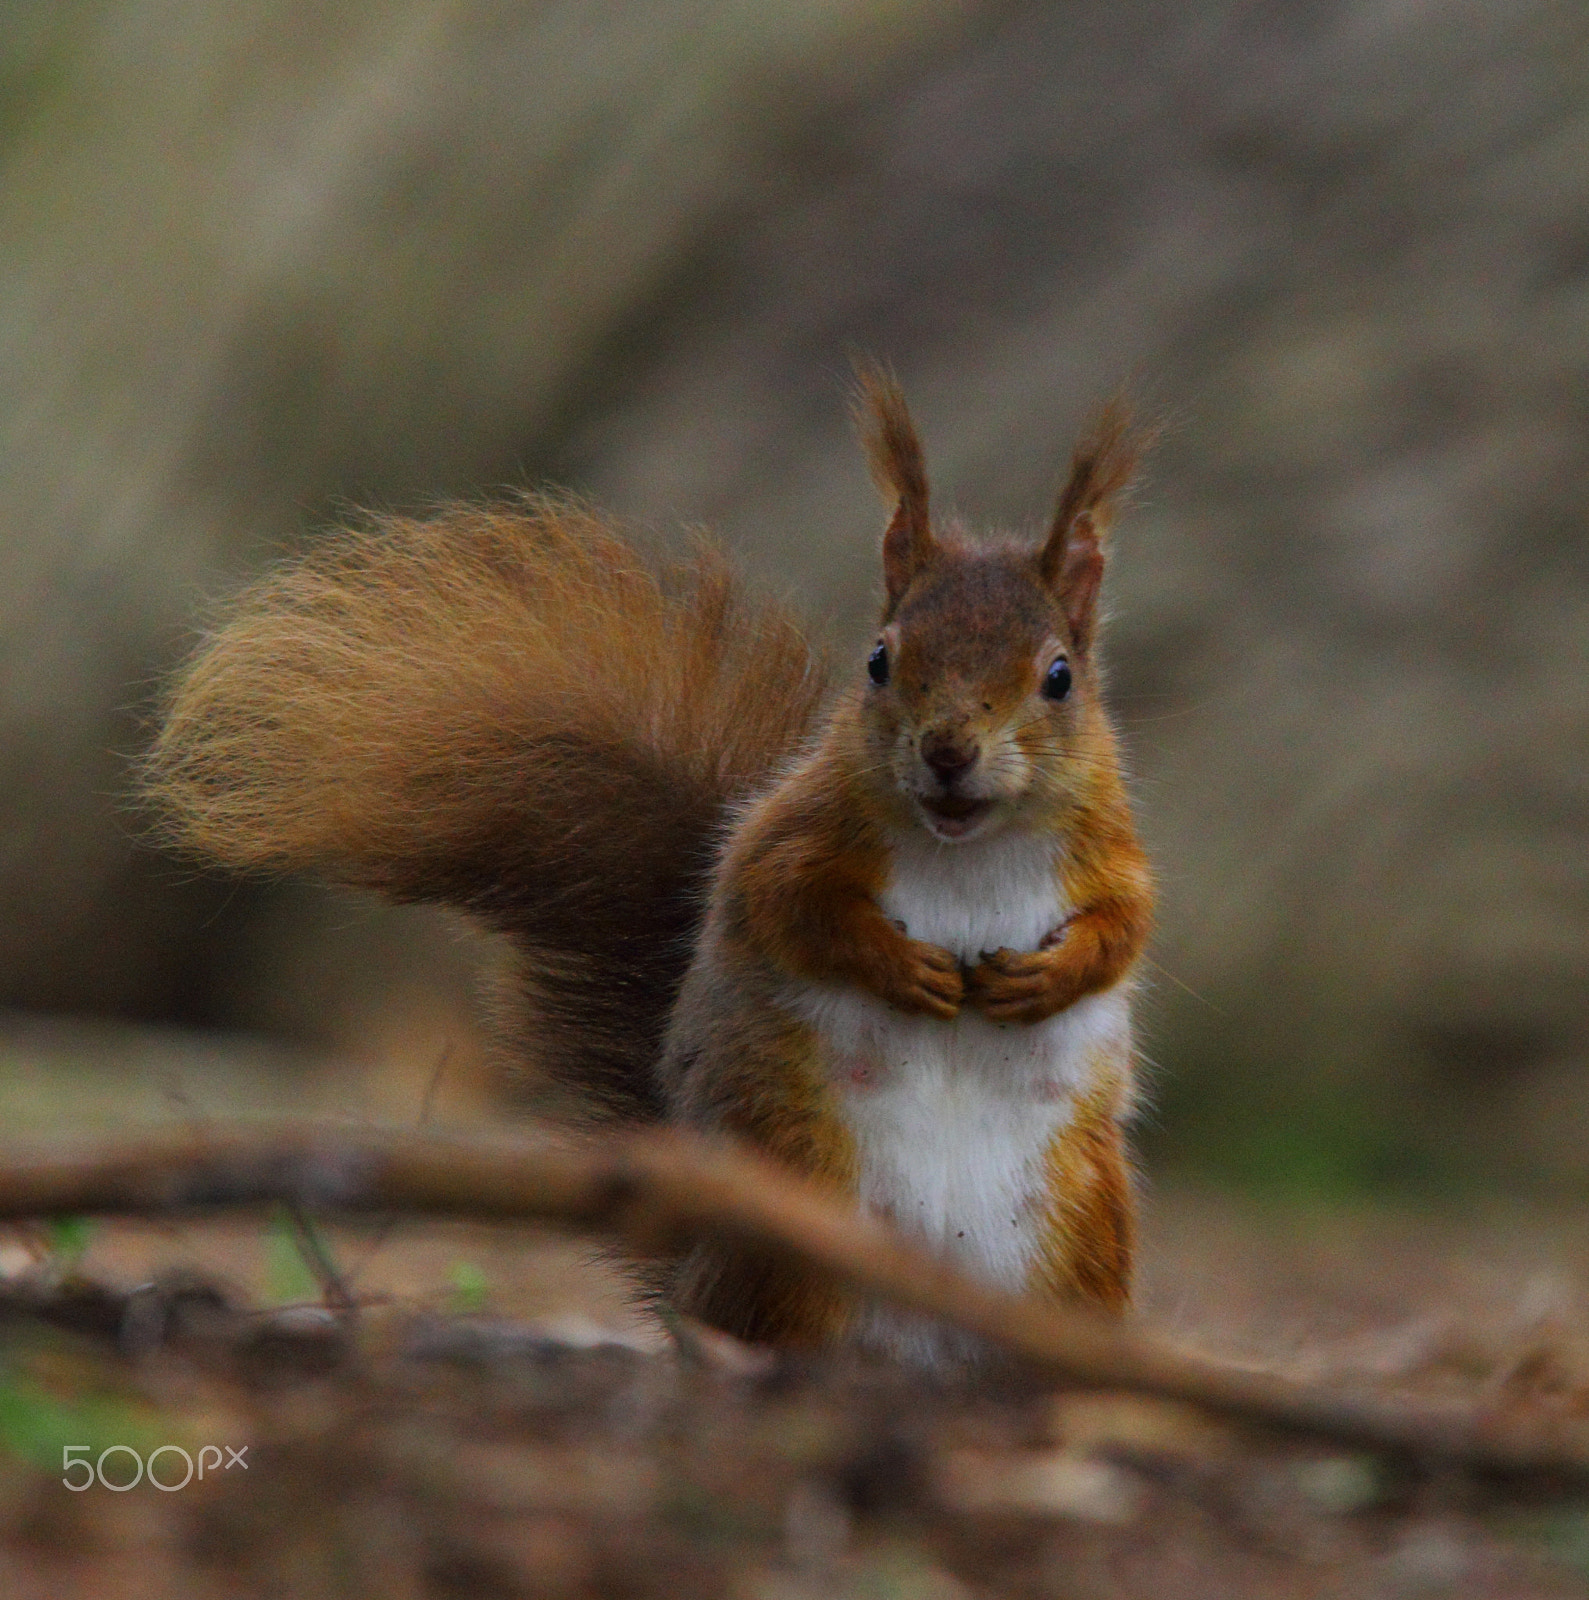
977, 697
981, 702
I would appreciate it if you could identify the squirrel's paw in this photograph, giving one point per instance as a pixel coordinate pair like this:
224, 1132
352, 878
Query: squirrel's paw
1019, 985
928, 979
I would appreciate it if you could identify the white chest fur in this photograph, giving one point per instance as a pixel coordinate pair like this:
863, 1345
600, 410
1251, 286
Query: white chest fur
951, 1120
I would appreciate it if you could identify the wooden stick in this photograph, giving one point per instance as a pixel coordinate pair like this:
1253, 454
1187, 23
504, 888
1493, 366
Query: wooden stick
659, 1190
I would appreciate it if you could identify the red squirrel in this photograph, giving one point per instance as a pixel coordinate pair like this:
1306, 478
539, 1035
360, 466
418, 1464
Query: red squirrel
887, 935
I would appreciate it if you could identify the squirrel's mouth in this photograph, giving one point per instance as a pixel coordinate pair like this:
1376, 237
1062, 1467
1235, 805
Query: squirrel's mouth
953, 816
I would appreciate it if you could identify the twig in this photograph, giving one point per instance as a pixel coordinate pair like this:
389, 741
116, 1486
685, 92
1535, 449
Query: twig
659, 1190
317, 1256
383, 1229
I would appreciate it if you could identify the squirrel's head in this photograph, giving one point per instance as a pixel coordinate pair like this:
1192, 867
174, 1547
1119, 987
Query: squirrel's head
981, 698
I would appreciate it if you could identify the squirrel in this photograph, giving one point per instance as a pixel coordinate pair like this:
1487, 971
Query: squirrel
886, 934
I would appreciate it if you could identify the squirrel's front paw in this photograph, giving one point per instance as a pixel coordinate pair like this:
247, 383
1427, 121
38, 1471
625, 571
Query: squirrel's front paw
1019, 985
927, 978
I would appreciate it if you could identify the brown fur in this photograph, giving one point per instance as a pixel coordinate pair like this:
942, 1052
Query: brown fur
513, 711
773, 1093
1089, 1226
1072, 558
801, 878
510, 710
808, 862
893, 451
1106, 876
970, 628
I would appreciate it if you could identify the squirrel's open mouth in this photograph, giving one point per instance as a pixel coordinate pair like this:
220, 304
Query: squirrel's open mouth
955, 815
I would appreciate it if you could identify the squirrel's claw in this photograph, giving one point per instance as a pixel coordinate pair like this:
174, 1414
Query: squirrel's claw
1015, 986
932, 982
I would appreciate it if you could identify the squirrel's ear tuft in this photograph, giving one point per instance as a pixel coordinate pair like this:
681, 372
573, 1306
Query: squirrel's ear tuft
1071, 561
894, 453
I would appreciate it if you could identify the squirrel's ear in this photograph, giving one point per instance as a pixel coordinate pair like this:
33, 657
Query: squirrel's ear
894, 453
1071, 561
1078, 577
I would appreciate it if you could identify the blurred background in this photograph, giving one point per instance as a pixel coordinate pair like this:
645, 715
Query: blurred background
267, 260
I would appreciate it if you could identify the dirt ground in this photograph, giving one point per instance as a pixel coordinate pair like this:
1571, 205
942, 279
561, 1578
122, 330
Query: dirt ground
503, 1422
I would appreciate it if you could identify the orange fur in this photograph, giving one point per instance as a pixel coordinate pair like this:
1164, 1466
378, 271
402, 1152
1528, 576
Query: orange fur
779, 1100
1089, 1230
1105, 876
1072, 558
1101, 469
799, 885
513, 710
804, 872
894, 454
606, 757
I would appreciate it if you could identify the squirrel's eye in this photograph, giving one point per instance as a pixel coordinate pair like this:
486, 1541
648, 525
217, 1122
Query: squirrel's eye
1056, 685
877, 664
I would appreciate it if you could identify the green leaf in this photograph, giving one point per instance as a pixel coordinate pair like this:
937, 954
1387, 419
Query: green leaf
289, 1278
469, 1288
35, 1425
69, 1238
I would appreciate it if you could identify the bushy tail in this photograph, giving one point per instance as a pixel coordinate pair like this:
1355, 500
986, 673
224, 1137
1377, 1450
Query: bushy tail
508, 710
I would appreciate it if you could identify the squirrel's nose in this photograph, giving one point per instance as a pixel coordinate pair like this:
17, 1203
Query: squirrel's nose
947, 758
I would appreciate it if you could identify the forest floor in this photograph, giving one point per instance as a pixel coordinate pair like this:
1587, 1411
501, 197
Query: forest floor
499, 1420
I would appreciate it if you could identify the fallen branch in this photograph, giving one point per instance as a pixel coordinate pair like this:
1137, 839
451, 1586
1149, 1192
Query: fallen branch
658, 1190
